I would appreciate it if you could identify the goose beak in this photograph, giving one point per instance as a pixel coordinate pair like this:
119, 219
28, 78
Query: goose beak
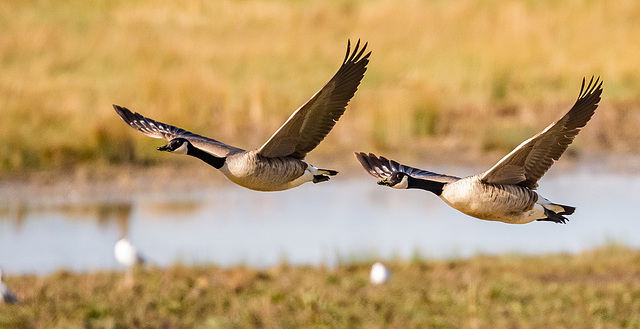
163, 148
384, 182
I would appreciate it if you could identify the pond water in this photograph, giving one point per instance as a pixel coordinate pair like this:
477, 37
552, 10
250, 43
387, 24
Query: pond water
326, 224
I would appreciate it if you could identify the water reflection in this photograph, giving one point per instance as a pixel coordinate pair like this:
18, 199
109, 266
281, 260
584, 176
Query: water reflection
321, 224
100, 213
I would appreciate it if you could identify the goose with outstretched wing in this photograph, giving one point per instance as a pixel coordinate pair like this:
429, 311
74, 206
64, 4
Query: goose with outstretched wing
279, 163
506, 192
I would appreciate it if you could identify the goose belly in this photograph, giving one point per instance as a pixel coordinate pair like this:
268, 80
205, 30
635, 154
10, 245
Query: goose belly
265, 174
506, 203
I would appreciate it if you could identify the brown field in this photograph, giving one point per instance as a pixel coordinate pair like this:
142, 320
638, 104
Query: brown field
457, 79
449, 76
595, 289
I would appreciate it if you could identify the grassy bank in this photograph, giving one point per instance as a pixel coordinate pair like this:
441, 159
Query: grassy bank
447, 74
597, 289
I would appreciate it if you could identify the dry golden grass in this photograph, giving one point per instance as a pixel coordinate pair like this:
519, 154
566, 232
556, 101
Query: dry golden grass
596, 289
471, 74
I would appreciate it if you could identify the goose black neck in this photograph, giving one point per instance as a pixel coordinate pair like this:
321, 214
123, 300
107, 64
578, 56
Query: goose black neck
212, 160
424, 184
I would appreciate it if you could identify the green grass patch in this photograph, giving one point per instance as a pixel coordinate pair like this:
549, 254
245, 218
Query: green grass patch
599, 288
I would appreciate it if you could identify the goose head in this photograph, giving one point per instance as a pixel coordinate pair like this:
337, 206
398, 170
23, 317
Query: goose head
176, 145
397, 180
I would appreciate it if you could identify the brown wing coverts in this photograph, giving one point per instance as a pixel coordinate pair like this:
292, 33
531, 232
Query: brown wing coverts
382, 168
530, 160
309, 125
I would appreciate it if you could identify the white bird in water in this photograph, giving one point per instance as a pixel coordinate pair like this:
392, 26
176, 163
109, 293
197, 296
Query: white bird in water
6, 295
126, 254
379, 273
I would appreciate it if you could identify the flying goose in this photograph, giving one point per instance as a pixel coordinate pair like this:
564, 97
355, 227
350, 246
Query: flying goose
6, 295
279, 163
506, 192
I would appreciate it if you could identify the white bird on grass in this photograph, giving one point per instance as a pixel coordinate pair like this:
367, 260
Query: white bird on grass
6, 295
126, 254
379, 274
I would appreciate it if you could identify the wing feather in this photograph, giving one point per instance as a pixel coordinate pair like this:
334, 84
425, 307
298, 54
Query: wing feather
381, 168
528, 162
310, 123
156, 129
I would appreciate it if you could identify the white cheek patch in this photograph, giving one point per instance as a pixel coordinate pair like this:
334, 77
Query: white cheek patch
404, 183
182, 149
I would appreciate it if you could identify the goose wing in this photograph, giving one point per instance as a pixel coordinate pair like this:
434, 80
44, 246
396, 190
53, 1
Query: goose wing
383, 168
161, 130
310, 123
526, 164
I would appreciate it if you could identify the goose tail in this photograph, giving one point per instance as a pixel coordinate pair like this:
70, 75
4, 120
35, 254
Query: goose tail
554, 212
321, 175
567, 210
328, 172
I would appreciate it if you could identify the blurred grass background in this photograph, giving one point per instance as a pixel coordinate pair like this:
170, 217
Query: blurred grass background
593, 289
474, 76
